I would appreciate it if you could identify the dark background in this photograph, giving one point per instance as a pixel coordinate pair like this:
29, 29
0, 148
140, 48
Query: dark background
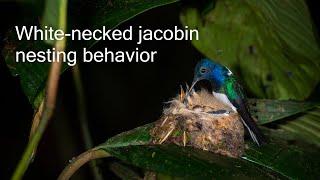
119, 96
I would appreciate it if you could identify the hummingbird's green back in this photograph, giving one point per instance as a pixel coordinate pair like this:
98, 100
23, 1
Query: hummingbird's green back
232, 89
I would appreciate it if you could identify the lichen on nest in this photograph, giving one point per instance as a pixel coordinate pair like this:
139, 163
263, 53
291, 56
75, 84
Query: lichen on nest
200, 121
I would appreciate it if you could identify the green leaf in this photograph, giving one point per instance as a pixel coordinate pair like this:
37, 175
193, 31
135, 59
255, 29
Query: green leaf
106, 13
305, 127
32, 76
137, 136
187, 162
272, 161
271, 44
291, 161
267, 110
111, 13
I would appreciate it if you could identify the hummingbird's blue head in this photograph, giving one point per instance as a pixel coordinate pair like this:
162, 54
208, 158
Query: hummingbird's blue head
209, 70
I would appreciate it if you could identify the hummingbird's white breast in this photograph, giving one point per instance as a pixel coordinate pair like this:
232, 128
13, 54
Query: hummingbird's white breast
224, 99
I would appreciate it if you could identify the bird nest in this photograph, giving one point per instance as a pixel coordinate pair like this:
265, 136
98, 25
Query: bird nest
200, 121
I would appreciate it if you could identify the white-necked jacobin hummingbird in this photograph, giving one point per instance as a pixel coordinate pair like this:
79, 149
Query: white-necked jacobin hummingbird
227, 90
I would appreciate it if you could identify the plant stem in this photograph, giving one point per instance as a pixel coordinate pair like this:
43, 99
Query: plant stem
47, 113
82, 115
36, 119
81, 160
50, 100
35, 124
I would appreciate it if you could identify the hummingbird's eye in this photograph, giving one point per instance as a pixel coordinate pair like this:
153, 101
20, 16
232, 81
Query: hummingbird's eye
203, 70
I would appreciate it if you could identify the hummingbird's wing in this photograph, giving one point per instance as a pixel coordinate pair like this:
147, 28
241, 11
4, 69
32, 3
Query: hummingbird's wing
241, 104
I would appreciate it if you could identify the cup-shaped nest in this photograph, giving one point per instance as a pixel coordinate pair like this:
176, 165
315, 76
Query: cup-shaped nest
201, 121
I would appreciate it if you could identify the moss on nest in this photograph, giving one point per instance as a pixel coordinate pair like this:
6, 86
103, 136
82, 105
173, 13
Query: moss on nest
203, 122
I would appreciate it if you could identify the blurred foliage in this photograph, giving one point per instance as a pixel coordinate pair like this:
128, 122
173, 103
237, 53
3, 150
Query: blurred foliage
267, 111
271, 44
111, 13
305, 127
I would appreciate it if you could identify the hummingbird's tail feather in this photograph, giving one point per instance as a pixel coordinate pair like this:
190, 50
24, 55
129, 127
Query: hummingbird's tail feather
250, 124
256, 137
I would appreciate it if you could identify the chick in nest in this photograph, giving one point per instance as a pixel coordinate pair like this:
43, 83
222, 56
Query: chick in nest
200, 121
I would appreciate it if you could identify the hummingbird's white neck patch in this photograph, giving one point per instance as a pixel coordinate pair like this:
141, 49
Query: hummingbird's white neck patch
229, 72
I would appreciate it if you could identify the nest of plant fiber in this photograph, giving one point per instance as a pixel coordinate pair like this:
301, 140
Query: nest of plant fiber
200, 121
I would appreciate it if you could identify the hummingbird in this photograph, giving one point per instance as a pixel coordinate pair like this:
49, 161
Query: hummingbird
228, 91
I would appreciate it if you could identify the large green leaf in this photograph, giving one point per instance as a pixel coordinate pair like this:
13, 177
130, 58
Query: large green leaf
114, 12
275, 160
292, 161
188, 163
267, 110
271, 44
33, 75
103, 13
305, 127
